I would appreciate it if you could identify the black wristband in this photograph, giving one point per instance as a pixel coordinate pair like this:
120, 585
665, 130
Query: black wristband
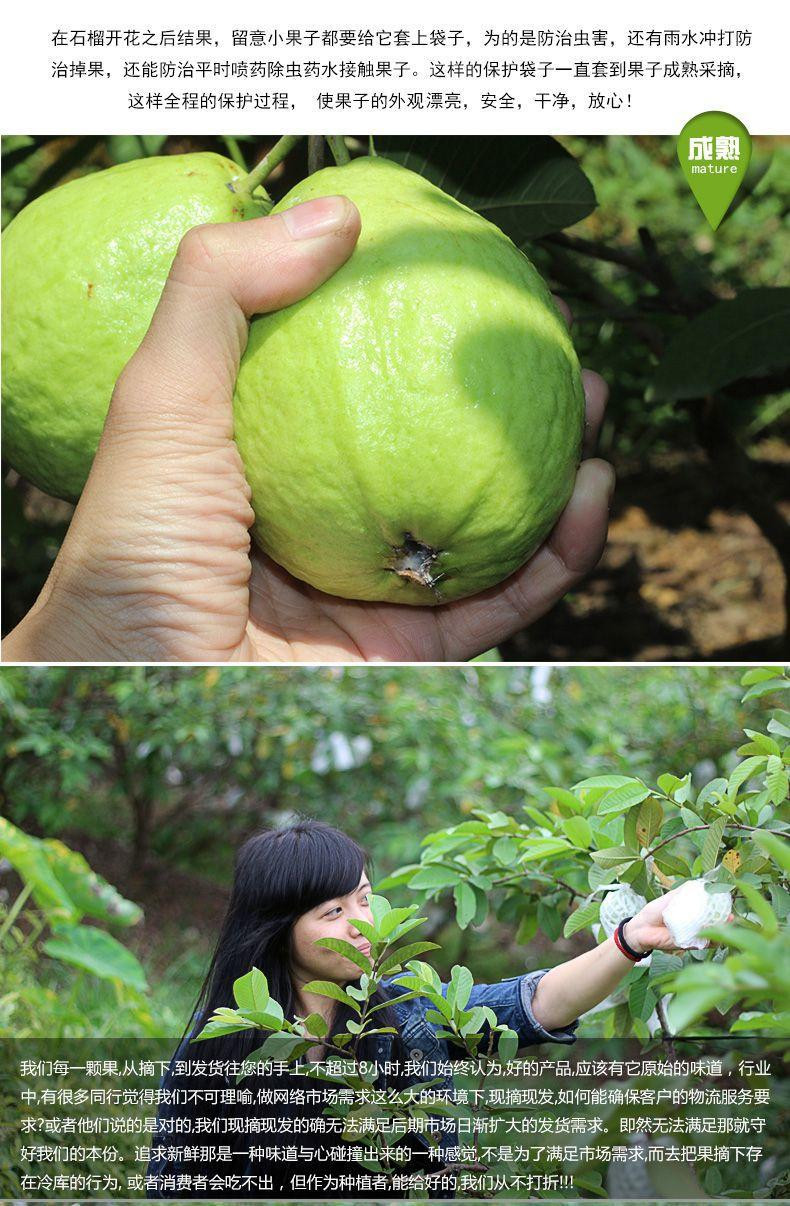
637, 956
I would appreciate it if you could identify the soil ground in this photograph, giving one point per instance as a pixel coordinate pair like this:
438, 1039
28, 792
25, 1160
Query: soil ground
684, 577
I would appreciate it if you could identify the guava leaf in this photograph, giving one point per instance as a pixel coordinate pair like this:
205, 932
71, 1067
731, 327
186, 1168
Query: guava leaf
529, 187
742, 337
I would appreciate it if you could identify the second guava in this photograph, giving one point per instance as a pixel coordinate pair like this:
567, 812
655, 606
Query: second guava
411, 431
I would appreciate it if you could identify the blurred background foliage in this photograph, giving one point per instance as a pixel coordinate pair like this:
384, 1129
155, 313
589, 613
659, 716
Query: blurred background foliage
688, 327
157, 775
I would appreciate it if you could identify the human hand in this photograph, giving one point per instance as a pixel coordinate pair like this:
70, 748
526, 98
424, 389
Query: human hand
646, 931
157, 563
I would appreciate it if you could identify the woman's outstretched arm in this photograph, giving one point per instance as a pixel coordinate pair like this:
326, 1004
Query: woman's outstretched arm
570, 989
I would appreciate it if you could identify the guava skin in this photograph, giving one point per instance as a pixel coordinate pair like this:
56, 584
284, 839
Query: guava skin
83, 269
410, 431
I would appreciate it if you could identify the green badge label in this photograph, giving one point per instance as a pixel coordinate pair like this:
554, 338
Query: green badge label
714, 150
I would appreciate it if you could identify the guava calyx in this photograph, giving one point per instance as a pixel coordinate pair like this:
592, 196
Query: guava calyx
414, 562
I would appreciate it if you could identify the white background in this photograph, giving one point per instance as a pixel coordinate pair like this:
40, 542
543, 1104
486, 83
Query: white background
31, 102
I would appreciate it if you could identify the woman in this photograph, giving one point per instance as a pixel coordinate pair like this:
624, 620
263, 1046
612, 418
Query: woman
291, 887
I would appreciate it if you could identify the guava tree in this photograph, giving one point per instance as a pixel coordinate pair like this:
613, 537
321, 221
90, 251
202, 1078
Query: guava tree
184, 762
558, 866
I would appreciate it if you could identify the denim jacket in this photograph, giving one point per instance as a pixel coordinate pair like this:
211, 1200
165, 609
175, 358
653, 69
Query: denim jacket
511, 1001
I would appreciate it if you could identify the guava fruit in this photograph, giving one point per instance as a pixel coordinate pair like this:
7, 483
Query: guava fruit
619, 903
692, 909
83, 268
411, 430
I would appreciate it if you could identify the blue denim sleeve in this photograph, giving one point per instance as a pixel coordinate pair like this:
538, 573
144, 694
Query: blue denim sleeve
511, 1001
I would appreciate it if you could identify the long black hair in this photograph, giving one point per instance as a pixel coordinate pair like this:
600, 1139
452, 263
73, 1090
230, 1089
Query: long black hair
280, 874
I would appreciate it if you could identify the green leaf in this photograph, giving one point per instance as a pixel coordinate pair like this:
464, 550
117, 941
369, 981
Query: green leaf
649, 821
251, 991
279, 1046
461, 984
767, 688
527, 927
743, 772
348, 950
759, 905
395, 918
507, 1045
612, 856
269, 1019
668, 783
215, 1029
317, 1025
25, 855
582, 917
549, 920
563, 796
760, 674
91, 894
404, 953
736, 338
505, 850
775, 847
379, 908
691, 1004
606, 781
527, 186
641, 999
712, 843
776, 780
621, 798
670, 864
465, 904
402, 876
579, 830
124, 147
99, 953
539, 848
760, 744
326, 988
434, 877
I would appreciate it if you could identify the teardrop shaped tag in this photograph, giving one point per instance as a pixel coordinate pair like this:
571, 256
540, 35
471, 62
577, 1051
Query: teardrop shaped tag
714, 150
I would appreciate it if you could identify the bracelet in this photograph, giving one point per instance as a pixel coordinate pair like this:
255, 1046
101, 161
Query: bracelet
622, 945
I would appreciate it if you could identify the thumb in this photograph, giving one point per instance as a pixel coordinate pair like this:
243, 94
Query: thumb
178, 385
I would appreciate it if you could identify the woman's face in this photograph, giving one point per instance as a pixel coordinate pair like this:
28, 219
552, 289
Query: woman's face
332, 919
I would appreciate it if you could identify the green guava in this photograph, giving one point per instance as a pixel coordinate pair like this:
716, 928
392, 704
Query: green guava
411, 430
83, 268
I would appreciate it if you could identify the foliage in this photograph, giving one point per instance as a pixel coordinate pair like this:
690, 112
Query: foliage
575, 843
186, 762
60, 893
475, 1031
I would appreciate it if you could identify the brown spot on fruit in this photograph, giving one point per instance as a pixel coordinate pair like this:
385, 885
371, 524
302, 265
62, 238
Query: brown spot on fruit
89, 289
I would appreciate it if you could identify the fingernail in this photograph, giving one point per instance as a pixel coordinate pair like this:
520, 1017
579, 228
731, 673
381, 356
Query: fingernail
314, 218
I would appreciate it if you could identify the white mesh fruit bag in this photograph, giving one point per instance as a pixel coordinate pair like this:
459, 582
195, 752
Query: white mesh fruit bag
617, 904
694, 907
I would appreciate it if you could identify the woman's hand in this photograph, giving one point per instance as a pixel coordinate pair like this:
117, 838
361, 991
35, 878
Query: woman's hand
157, 564
647, 932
